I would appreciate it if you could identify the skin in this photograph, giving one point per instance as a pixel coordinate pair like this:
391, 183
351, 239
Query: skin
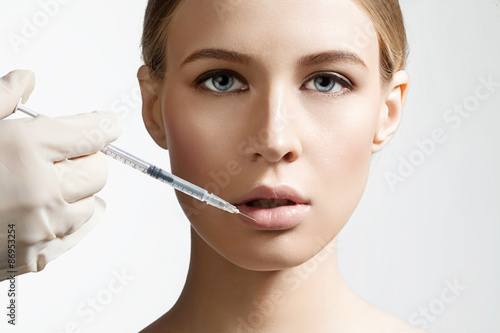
276, 127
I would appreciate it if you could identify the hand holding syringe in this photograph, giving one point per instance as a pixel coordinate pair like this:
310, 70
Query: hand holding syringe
155, 172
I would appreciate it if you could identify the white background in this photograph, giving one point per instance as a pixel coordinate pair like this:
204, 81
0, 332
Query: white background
398, 250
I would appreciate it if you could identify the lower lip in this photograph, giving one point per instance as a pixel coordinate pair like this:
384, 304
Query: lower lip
278, 218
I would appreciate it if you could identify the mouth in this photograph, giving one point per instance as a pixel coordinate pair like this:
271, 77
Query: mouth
265, 196
270, 203
274, 207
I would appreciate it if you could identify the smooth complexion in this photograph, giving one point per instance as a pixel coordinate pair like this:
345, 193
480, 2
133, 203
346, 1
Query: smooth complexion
280, 89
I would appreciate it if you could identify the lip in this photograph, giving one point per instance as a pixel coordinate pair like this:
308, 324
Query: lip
278, 218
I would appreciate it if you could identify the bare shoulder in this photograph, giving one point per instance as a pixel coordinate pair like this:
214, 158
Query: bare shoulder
380, 321
396, 325
166, 324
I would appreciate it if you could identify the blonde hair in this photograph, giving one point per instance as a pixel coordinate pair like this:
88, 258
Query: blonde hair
388, 21
385, 15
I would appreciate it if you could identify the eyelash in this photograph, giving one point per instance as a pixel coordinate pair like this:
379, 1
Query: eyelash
337, 77
340, 79
210, 74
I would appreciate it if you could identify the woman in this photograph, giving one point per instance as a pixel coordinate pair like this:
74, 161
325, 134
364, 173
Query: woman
277, 108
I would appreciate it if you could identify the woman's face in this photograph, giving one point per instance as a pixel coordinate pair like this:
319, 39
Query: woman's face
266, 93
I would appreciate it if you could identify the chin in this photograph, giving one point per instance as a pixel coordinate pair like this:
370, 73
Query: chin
262, 250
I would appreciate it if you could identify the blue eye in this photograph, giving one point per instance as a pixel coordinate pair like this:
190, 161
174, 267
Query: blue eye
326, 83
222, 82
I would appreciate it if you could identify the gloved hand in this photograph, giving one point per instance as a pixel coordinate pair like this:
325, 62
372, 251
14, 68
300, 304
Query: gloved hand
49, 173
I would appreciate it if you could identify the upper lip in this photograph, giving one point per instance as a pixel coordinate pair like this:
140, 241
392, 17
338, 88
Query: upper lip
281, 191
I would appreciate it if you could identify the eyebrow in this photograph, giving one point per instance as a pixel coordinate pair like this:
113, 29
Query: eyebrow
240, 58
218, 54
331, 56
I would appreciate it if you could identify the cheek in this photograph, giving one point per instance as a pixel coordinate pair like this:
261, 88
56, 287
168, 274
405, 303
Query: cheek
344, 147
196, 139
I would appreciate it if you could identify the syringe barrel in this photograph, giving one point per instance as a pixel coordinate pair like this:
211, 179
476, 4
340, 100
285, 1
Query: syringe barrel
126, 158
191, 189
217, 202
178, 183
143, 166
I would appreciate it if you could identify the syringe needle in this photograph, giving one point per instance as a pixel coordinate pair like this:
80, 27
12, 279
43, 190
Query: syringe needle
247, 216
155, 172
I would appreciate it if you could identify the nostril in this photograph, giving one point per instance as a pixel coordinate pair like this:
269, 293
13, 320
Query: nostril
290, 156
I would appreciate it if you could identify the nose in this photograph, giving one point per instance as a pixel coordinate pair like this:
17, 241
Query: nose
275, 127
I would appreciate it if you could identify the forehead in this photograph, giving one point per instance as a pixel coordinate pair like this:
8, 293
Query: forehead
273, 30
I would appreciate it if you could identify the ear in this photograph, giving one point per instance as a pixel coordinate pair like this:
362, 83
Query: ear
390, 112
151, 106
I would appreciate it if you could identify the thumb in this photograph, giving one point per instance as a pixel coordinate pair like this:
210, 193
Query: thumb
14, 86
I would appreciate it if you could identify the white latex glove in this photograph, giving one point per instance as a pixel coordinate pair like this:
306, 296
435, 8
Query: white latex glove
49, 173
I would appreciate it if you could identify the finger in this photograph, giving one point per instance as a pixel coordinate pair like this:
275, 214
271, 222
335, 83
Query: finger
83, 176
34, 257
60, 245
14, 86
73, 216
74, 136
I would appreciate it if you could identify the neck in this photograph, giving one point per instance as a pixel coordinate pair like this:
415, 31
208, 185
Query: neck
221, 297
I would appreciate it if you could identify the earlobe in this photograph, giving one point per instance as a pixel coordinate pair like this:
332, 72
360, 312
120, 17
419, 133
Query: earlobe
390, 112
151, 107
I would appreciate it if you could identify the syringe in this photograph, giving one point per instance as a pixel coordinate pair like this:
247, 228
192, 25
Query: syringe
155, 172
